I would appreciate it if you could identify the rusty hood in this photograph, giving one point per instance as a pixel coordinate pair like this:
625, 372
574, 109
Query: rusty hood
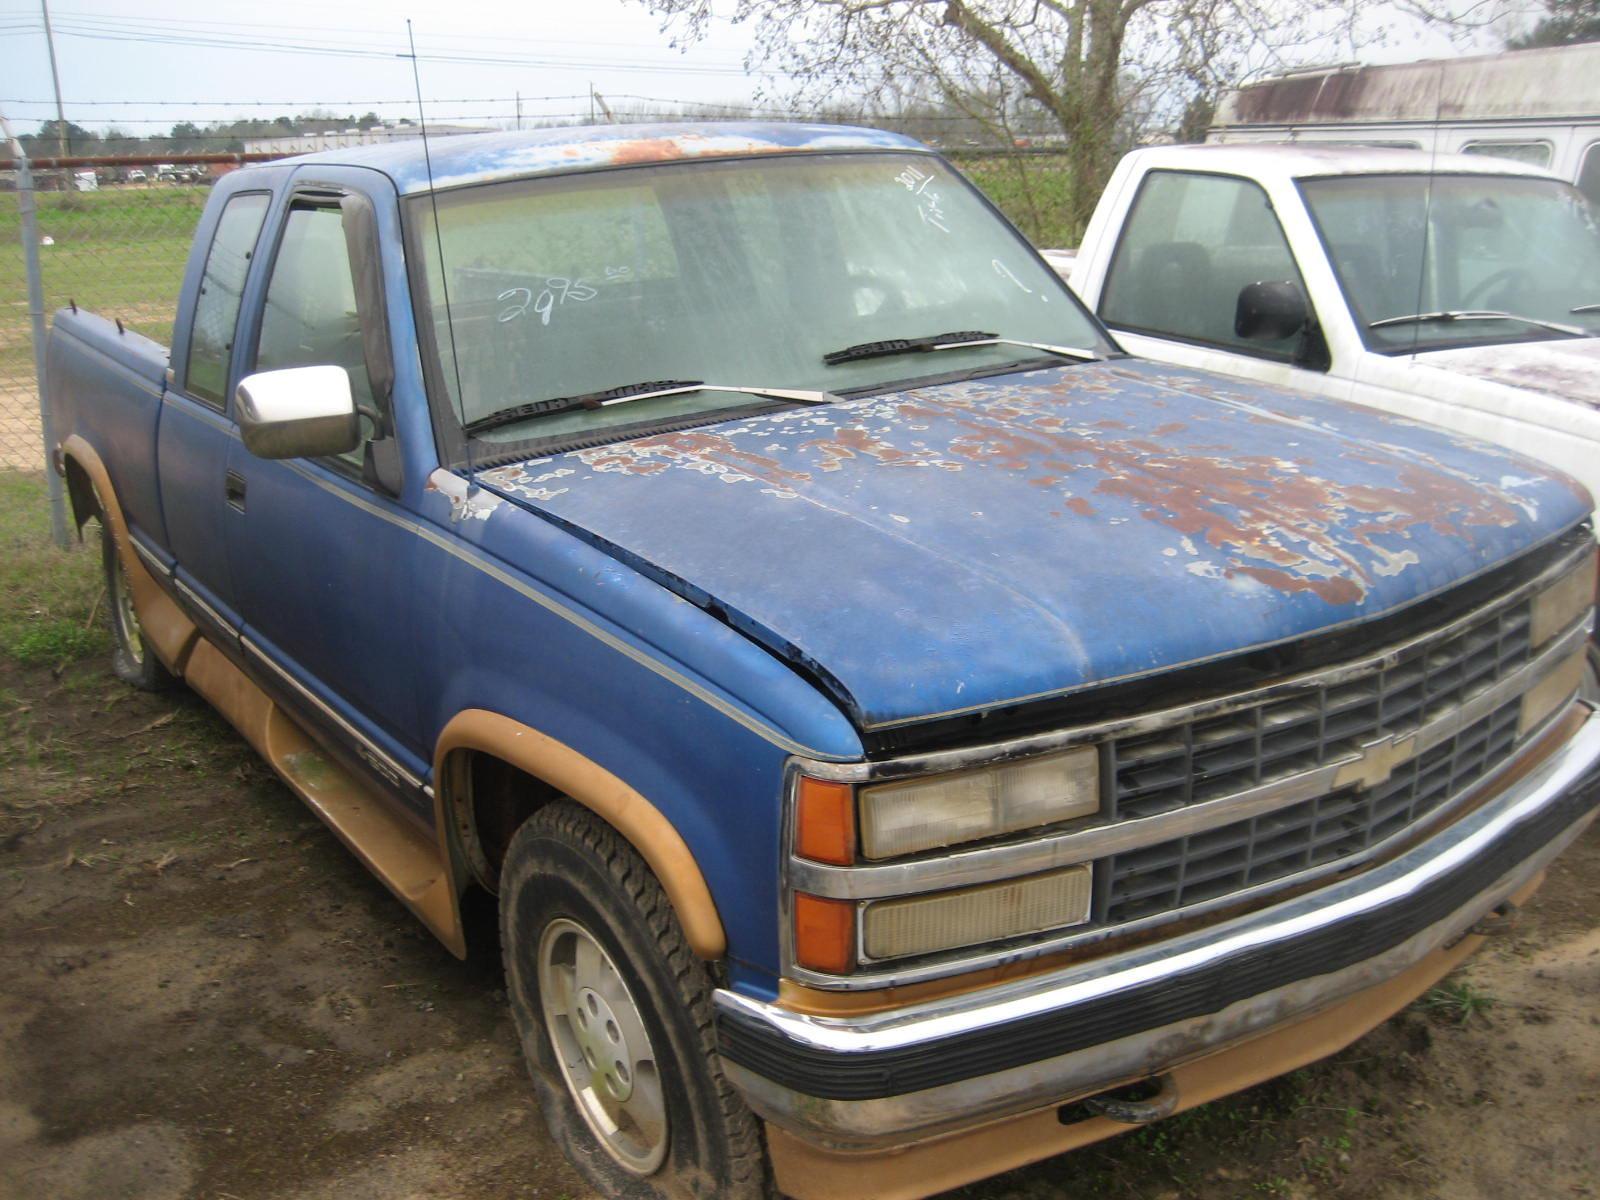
956, 548
1560, 368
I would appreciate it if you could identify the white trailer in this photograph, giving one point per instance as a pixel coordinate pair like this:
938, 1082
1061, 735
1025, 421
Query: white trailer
1537, 107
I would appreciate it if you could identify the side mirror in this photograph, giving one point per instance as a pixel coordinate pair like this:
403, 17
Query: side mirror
297, 412
1270, 311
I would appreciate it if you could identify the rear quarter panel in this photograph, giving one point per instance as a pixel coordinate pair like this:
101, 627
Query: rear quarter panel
106, 386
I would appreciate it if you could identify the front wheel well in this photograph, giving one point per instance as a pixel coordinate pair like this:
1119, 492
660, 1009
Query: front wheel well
490, 802
493, 773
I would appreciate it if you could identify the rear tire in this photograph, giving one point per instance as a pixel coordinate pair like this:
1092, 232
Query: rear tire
614, 1013
131, 658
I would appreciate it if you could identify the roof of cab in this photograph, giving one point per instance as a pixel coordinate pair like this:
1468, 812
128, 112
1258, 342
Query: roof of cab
1279, 161
480, 157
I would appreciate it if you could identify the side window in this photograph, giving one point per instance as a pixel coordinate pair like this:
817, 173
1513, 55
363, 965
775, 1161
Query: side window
216, 309
1190, 244
1589, 175
310, 316
1534, 154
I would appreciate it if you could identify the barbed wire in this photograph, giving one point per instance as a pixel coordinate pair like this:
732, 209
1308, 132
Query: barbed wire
408, 100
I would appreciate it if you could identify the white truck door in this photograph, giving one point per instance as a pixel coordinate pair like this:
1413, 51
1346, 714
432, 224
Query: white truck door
1169, 286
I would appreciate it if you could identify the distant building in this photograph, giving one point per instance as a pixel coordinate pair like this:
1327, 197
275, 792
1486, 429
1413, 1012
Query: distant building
337, 139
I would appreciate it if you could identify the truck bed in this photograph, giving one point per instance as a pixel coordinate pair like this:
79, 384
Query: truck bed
106, 383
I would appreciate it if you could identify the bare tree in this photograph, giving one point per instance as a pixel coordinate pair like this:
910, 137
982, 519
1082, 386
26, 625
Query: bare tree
1090, 69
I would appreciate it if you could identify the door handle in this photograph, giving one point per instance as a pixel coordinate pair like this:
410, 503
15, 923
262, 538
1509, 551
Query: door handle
233, 489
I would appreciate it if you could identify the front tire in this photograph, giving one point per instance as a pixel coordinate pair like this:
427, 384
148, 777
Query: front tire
614, 1013
131, 657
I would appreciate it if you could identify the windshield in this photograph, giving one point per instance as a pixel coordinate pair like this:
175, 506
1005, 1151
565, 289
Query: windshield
736, 273
1495, 243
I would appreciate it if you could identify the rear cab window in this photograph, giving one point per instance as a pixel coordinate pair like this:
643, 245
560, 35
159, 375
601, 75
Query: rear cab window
216, 309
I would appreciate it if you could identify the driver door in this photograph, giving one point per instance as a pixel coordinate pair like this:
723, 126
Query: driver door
322, 553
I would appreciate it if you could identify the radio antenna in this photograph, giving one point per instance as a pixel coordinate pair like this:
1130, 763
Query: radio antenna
438, 242
1427, 206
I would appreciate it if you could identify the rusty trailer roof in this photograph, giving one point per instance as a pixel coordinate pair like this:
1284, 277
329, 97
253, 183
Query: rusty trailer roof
1561, 82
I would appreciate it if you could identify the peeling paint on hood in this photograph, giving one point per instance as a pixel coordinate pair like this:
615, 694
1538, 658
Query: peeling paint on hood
1563, 369
964, 546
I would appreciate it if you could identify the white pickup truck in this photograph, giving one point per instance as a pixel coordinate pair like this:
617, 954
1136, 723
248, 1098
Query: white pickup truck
1460, 290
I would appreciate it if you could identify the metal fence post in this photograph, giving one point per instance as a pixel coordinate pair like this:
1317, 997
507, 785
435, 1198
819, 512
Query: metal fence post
30, 250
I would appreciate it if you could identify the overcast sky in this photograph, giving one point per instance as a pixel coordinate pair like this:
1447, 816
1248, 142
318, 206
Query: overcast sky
146, 65
177, 52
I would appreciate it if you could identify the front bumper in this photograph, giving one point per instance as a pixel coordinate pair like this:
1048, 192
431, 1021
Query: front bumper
893, 1078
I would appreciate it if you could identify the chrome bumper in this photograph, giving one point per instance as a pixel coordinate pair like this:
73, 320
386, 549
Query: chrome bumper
897, 1077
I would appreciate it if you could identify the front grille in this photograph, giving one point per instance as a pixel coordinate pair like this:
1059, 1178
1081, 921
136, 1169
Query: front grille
1223, 755
1219, 756
1213, 864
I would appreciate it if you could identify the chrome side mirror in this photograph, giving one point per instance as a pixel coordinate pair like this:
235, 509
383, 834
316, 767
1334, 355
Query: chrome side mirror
297, 412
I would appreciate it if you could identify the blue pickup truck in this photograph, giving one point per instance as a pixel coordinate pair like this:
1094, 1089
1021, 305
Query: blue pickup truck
907, 736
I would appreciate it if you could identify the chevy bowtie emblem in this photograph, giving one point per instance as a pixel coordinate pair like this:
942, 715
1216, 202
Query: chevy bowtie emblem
1377, 762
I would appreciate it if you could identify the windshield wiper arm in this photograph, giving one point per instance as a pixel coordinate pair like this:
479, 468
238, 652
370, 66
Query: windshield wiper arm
957, 340
1584, 308
1487, 314
649, 390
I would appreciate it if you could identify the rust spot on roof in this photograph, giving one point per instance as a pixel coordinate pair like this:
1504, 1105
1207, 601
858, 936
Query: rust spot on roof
645, 150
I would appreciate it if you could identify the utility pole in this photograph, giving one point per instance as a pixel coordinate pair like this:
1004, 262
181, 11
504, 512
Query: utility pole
55, 77
591, 102
519, 111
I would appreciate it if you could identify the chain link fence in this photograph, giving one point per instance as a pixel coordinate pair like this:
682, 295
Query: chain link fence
112, 238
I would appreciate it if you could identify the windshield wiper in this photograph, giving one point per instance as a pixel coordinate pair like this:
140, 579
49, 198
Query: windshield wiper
1584, 308
958, 340
1429, 318
649, 390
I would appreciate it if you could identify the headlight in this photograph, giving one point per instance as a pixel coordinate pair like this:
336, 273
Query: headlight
940, 810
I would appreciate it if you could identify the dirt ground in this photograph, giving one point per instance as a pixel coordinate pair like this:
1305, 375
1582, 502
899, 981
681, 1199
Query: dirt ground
203, 995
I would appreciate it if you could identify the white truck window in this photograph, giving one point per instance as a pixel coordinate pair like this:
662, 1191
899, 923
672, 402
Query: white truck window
1415, 244
1589, 174
1191, 243
1534, 154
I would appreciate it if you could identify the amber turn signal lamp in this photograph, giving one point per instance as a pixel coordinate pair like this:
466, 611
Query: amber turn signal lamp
824, 933
825, 822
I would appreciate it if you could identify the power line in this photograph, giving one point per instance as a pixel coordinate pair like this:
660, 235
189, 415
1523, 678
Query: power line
366, 32
177, 35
